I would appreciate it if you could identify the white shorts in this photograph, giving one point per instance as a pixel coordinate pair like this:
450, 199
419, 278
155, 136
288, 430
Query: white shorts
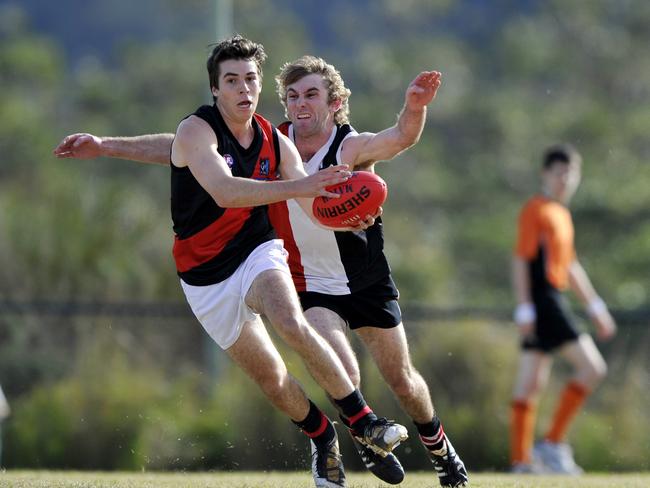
221, 308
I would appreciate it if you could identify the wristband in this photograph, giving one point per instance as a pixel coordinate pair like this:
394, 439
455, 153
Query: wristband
524, 314
596, 307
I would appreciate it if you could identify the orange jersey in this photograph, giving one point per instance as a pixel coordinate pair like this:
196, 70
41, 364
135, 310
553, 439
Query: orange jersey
546, 233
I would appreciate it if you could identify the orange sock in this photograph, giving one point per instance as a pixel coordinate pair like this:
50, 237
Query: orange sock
522, 430
573, 396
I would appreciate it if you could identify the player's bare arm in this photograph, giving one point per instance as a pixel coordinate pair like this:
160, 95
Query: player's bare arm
196, 146
594, 305
366, 148
149, 148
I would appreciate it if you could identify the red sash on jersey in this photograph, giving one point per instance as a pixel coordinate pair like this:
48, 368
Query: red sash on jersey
208, 243
279, 217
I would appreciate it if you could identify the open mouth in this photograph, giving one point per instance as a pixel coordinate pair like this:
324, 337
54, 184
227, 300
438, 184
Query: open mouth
245, 104
303, 116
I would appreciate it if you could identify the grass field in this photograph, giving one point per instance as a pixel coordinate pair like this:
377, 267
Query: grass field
48, 479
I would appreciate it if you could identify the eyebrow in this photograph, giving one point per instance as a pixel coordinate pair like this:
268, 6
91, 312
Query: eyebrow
237, 74
313, 88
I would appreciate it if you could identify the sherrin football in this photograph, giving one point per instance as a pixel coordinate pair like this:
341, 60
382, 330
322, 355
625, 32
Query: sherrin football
361, 195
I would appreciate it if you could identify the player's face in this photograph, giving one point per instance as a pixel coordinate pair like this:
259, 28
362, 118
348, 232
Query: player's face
239, 89
561, 181
308, 108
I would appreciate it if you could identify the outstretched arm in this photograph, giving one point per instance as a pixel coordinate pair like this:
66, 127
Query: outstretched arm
364, 149
596, 308
150, 148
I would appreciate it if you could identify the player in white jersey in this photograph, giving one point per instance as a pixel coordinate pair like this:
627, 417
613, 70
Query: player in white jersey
324, 261
343, 278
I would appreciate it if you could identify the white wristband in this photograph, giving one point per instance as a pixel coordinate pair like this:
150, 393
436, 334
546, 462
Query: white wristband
596, 307
524, 314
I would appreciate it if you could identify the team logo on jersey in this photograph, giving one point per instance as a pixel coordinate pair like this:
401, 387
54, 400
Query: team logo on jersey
265, 166
229, 160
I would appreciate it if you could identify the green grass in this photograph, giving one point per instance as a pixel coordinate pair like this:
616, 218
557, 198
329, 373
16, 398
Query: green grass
49, 479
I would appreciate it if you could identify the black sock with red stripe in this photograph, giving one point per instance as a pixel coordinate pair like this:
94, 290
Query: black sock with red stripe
431, 434
356, 411
316, 425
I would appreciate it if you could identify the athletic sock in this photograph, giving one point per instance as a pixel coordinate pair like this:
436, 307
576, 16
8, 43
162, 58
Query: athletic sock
522, 431
432, 436
572, 398
354, 408
345, 421
316, 425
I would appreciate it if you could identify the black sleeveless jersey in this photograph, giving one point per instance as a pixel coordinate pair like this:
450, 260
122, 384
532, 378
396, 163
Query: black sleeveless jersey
210, 241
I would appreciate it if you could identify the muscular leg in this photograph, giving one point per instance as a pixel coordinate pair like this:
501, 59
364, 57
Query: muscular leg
255, 353
389, 350
273, 294
332, 328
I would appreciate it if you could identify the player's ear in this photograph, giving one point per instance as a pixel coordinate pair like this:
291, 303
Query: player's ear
335, 105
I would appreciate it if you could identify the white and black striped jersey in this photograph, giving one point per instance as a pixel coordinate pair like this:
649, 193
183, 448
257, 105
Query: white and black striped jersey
325, 261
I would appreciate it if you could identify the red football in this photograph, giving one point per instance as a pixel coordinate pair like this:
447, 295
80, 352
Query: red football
361, 195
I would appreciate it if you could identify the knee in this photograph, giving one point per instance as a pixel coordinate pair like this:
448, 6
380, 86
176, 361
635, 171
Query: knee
403, 384
293, 329
274, 384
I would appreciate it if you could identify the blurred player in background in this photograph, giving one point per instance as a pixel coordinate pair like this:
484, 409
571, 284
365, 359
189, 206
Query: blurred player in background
224, 160
343, 278
544, 265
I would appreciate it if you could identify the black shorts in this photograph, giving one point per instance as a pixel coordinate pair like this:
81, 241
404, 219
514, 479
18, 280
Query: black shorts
554, 326
375, 306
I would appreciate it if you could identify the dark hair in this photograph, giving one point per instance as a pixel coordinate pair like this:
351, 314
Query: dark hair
561, 153
236, 47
